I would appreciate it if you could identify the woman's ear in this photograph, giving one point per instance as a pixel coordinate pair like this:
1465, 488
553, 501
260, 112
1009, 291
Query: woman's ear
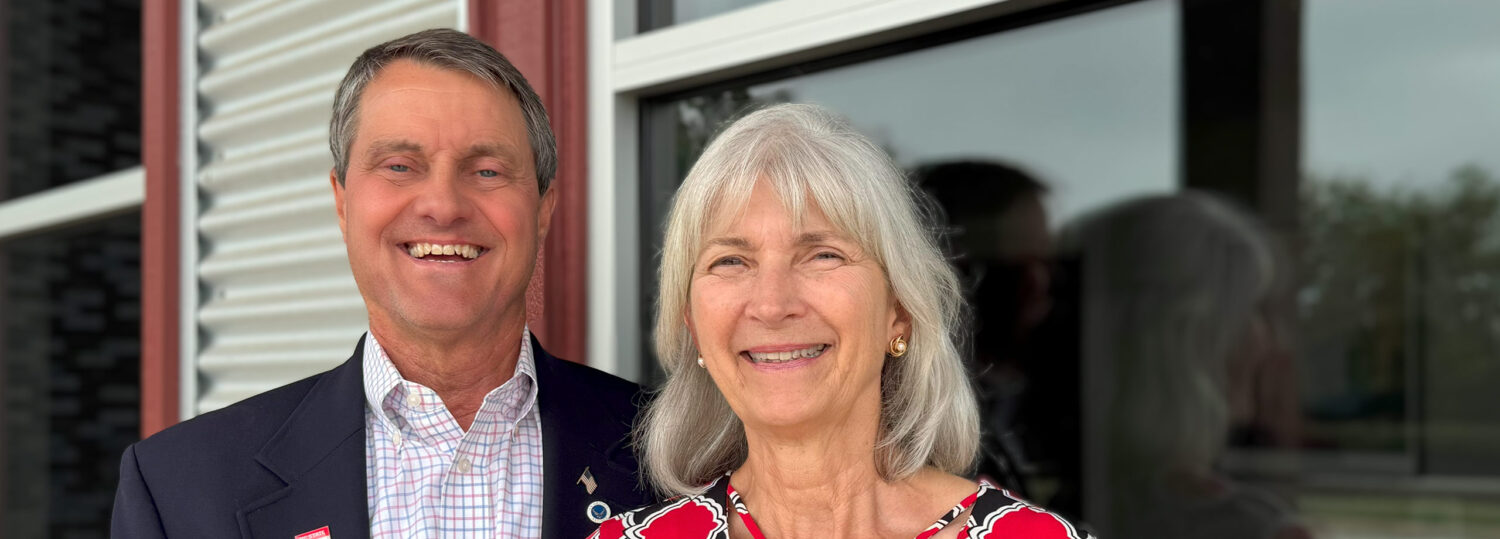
900, 321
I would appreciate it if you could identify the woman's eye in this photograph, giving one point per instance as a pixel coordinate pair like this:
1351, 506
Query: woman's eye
399, 168
486, 173
828, 255
727, 261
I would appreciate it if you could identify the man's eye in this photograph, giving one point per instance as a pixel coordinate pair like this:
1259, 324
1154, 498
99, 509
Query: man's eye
399, 168
488, 173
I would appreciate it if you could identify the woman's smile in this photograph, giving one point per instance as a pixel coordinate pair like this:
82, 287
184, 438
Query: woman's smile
783, 357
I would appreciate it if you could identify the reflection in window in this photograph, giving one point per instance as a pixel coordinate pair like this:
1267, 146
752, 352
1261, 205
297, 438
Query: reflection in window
1180, 349
71, 375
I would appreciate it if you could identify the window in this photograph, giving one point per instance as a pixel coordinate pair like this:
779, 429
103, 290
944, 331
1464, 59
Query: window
1353, 140
1398, 305
73, 84
70, 189
72, 374
1100, 129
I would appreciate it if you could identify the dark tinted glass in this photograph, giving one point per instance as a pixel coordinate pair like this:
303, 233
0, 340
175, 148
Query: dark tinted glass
69, 375
71, 93
654, 14
1398, 311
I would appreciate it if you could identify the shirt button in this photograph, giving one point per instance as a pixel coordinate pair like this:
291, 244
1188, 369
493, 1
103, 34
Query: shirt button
462, 465
414, 400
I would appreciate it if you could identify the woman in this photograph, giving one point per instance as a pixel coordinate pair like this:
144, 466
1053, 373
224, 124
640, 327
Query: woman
806, 323
1177, 289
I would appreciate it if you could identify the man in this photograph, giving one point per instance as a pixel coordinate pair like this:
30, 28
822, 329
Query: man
1003, 249
449, 419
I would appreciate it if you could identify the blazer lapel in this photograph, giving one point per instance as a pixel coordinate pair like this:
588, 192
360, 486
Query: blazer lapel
581, 432
320, 454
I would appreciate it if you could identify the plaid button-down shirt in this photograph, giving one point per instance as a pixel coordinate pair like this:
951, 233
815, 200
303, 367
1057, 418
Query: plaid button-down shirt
428, 478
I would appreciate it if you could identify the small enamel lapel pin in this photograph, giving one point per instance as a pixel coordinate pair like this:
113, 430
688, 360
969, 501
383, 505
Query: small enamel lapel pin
598, 512
587, 479
320, 533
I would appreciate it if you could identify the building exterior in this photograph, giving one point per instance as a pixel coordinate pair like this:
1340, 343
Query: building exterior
168, 245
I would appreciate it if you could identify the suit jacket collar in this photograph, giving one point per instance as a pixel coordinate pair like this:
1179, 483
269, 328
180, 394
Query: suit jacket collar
319, 453
581, 431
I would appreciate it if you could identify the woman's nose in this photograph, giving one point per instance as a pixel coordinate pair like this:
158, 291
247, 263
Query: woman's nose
776, 296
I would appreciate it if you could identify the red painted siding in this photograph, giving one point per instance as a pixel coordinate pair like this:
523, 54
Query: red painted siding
548, 41
160, 216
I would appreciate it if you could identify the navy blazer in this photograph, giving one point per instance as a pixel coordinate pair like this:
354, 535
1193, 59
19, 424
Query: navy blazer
292, 460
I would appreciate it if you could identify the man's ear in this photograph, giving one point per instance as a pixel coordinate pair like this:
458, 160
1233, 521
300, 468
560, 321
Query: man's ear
544, 214
338, 201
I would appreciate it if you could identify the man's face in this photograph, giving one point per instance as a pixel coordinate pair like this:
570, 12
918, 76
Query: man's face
440, 160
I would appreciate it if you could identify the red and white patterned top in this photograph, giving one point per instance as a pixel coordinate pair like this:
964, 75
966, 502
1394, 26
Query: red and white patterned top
426, 477
996, 514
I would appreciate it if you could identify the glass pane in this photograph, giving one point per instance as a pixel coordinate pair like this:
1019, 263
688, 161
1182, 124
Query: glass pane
654, 14
69, 375
71, 93
1101, 129
1400, 307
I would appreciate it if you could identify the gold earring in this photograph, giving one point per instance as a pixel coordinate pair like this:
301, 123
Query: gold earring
700, 363
898, 347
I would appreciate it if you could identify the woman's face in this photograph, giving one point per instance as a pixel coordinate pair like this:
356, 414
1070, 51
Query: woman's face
792, 323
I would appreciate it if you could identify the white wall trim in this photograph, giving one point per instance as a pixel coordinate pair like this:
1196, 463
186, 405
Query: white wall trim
86, 200
781, 33
463, 17
604, 326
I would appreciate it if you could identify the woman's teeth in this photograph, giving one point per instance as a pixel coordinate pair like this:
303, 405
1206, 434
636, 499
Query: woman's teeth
783, 357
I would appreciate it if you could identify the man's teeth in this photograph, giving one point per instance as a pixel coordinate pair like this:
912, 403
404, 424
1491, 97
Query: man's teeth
782, 357
420, 250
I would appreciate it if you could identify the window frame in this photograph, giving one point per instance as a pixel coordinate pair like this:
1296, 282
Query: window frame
626, 71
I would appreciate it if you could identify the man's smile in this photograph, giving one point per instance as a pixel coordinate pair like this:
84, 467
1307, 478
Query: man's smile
443, 252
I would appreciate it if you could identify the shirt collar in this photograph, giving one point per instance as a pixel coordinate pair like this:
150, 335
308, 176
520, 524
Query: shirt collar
381, 376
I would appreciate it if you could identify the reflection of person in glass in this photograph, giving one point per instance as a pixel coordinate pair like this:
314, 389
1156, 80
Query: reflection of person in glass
1175, 290
806, 321
1001, 244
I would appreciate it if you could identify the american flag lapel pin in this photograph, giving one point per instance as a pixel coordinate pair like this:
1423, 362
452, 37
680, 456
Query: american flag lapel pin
320, 533
587, 479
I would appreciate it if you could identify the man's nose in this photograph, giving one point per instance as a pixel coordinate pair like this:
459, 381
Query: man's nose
441, 198
776, 295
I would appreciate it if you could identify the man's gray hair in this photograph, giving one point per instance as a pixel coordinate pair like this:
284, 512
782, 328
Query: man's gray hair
812, 159
447, 49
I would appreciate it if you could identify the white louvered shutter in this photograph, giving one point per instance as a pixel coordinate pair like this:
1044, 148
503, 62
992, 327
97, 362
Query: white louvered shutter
277, 301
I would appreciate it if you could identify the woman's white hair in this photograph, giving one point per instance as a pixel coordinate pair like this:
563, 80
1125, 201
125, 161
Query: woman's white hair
808, 155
